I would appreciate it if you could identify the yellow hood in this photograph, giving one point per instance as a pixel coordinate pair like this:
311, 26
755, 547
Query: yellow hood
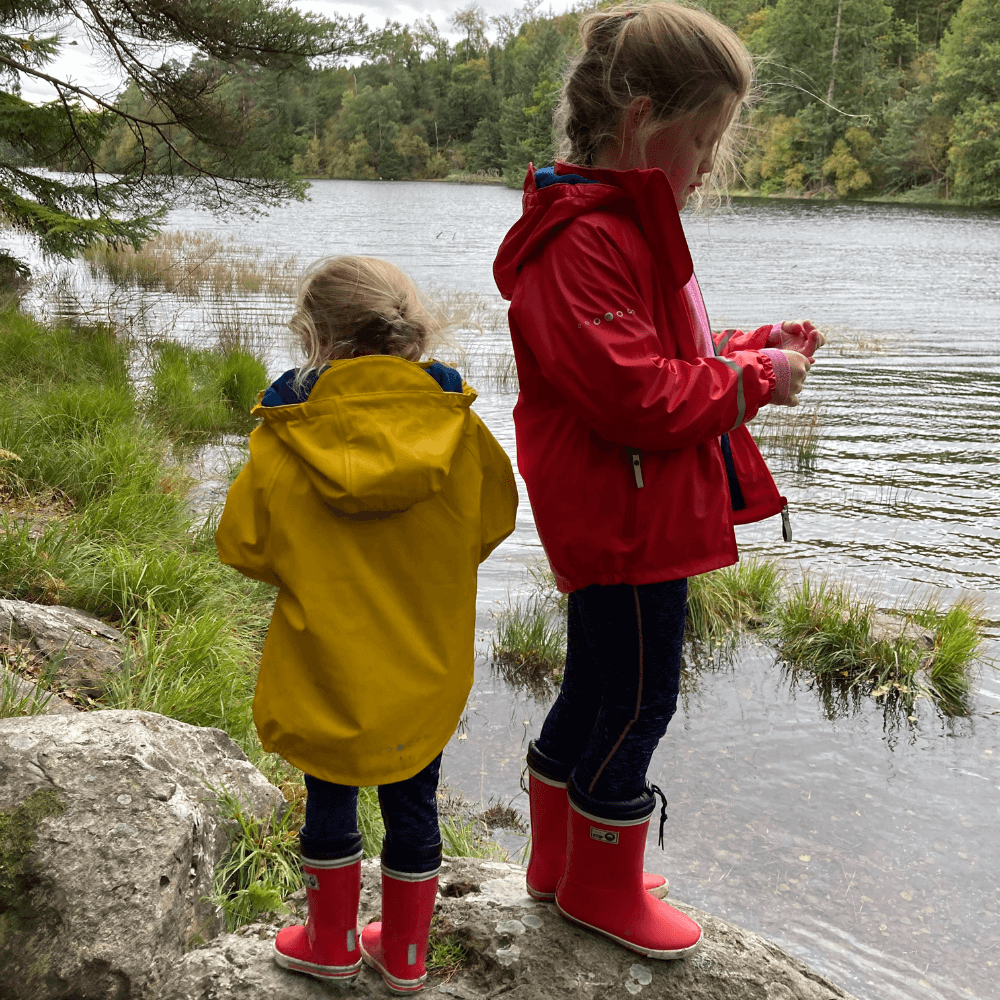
376, 435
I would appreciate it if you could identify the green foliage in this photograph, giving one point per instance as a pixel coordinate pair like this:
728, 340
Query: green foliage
447, 954
370, 824
200, 120
262, 866
199, 393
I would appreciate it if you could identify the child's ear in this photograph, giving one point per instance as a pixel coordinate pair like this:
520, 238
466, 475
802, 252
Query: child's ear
638, 112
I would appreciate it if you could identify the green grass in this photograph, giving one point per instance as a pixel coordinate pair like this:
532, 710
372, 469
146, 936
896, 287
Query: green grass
447, 953
835, 636
723, 604
462, 840
14, 704
262, 866
198, 394
820, 630
528, 648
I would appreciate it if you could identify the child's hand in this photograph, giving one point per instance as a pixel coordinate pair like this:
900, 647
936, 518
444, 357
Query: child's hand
797, 335
798, 365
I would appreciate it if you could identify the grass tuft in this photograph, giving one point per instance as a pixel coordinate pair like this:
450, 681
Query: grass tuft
788, 436
827, 631
262, 866
724, 603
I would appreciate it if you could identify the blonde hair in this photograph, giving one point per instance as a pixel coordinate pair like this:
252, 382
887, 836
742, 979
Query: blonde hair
350, 306
681, 58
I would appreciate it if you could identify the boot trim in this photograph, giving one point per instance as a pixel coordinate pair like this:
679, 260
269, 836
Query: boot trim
410, 876
604, 821
327, 863
551, 771
631, 945
545, 781
313, 969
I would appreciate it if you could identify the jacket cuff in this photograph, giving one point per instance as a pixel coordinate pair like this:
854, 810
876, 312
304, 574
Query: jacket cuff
782, 374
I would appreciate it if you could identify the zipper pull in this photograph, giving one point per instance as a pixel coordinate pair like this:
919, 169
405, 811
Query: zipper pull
786, 524
636, 468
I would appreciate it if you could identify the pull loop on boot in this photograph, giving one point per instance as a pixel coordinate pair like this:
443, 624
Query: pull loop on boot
548, 805
327, 946
396, 945
602, 889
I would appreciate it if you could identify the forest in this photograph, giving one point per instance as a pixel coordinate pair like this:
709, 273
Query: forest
857, 99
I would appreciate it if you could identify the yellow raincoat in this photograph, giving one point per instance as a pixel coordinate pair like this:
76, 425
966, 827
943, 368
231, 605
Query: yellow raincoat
370, 506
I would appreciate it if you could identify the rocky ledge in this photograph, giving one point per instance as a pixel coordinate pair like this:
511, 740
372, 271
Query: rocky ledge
110, 827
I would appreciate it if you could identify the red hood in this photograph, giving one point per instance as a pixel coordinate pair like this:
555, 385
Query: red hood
645, 193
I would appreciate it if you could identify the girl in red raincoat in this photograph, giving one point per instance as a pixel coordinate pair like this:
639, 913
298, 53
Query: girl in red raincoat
631, 436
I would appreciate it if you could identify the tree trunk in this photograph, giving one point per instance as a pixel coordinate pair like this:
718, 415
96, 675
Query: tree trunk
833, 60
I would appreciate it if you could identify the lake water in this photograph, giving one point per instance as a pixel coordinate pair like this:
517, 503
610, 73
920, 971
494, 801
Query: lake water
866, 848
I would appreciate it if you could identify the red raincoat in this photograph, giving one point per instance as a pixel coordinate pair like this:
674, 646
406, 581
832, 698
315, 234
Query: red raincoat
619, 418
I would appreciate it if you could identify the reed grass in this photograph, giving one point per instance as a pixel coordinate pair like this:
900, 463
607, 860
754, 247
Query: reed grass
528, 648
831, 633
193, 265
788, 435
198, 394
820, 630
723, 604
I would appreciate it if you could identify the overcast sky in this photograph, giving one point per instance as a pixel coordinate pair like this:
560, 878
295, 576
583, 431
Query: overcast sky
78, 64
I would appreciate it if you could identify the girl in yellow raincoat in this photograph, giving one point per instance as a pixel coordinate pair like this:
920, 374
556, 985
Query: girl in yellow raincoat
372, 494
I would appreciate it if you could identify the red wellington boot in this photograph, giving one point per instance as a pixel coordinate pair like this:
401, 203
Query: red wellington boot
327, 946
601, 888
397, 945
548, 805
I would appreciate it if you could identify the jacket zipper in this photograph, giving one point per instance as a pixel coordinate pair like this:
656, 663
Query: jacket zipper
632, 496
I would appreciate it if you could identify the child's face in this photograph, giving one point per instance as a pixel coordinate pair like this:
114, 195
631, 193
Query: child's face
685, 150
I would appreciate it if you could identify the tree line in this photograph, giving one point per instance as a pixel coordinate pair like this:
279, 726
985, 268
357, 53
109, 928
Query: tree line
857, 98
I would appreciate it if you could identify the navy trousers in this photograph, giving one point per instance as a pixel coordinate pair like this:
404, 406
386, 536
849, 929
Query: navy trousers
623, 663
412, 841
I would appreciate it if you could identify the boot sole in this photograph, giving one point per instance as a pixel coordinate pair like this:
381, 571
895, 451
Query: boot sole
312, 969
395, 984
631, 945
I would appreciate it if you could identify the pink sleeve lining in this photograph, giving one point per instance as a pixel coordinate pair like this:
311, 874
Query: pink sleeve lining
782, 374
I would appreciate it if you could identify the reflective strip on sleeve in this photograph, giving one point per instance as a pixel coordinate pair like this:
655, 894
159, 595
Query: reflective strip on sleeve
721, 346
741, 403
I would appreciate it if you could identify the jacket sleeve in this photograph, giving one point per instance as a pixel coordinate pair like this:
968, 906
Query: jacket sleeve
583, 316
729, 342
498, 499
243, 534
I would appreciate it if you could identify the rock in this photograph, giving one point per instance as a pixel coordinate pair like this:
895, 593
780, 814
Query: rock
518, 948
84, 650
110, 832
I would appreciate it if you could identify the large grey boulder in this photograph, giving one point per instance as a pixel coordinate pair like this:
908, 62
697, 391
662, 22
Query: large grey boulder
109, 831
518, 948
84, 651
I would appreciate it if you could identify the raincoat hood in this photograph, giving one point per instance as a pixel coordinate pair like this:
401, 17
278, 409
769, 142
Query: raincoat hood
547, 207
376, 435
